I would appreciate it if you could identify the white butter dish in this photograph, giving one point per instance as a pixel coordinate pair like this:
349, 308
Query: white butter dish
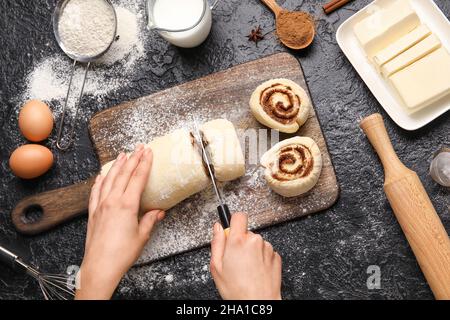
430, 15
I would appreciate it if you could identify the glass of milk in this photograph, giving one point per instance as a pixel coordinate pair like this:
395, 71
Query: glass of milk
184, 23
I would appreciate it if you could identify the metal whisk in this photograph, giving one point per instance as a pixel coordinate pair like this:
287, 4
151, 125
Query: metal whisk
53, 286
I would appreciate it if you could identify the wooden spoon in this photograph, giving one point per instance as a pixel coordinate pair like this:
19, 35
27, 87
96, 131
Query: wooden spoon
290, 16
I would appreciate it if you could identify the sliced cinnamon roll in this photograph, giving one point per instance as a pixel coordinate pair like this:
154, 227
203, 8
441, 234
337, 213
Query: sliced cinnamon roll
224, 149
293, 166
280, 104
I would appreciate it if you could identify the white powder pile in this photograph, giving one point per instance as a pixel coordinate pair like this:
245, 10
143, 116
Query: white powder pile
128, 45
86, 27
49, 79
169, 278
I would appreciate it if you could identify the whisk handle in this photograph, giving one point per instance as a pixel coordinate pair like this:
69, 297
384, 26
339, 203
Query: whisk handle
7, 257
12, 260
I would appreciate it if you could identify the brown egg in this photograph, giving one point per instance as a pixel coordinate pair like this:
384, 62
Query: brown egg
30, 161
35, 120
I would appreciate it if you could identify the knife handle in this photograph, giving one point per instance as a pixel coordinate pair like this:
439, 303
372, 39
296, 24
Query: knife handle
225, 217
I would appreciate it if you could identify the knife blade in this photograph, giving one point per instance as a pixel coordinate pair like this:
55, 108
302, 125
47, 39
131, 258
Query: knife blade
222, 208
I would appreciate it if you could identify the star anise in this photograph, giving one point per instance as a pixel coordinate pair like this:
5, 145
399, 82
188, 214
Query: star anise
256, 35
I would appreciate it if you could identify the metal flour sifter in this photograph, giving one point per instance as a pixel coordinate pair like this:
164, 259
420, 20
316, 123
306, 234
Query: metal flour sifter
78, 19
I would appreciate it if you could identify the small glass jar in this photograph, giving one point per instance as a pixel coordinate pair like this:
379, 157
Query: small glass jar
184, 23
440, 167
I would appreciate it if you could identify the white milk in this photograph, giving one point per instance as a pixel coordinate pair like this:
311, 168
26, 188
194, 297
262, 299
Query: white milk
181, 14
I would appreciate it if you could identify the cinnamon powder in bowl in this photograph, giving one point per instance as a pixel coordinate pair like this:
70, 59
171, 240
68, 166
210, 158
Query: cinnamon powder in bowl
295, 29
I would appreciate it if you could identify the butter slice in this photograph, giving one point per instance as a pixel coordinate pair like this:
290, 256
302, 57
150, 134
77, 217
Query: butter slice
400, 46
420, 50
386, 26
425, 81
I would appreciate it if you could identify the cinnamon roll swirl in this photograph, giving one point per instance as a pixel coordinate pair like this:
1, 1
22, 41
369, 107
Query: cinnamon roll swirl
293, 166
280, 104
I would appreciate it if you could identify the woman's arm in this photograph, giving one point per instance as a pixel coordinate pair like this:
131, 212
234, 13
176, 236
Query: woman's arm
243, 265
115, 235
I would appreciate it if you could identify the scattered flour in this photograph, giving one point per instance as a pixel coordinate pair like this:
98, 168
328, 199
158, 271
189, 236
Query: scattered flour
256, 177
128, 47
169, 278
49, 78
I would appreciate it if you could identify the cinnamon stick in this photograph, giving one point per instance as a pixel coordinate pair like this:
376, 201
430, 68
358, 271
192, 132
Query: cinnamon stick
329, 4
333, 5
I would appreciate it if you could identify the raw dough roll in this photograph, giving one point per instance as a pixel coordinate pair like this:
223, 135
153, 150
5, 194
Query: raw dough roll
293, 166
177, 171
280, 104
224, 149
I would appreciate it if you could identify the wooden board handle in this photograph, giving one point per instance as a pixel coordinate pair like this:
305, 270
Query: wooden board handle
414, 211
41, 212
272, 4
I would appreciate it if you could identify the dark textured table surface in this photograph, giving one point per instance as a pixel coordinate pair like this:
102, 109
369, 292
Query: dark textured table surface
325, 256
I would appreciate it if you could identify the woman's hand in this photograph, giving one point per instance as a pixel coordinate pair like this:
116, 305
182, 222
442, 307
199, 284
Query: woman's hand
115, 236
243, 265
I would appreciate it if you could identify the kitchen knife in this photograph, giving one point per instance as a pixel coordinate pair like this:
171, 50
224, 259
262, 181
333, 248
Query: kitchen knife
222, 208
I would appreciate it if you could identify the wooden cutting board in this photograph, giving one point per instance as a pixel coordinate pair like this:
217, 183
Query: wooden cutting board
188, 226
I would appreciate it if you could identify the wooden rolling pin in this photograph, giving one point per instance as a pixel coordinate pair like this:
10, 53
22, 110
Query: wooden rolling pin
414, 211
